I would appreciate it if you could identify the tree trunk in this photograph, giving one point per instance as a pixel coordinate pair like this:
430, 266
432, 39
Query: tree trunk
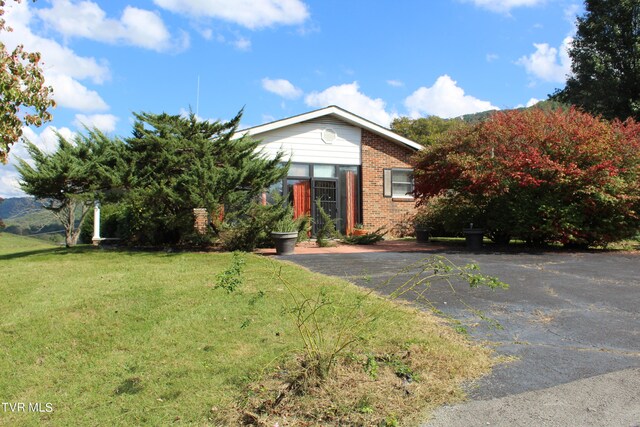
67, 216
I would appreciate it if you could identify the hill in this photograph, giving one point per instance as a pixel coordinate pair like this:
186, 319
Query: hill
427, 130
26, 216
18, 206
483, 115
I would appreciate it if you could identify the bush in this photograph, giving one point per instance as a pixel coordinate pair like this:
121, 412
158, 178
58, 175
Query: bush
176, 164
404, 227
114, 223
251, 227
366, 239
447, 215
542, 176
327, 229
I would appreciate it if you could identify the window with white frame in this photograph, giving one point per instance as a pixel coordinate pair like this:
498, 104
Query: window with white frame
398, 183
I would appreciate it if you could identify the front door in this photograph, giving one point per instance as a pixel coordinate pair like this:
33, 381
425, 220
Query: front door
325, 190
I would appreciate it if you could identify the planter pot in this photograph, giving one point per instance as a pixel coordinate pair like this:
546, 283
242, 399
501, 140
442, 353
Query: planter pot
285, 242
358, 232
422, 235
473, 237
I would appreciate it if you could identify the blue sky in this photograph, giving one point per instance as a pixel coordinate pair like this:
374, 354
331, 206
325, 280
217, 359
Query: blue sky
276, 58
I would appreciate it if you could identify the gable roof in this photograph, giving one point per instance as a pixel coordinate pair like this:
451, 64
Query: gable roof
337, 112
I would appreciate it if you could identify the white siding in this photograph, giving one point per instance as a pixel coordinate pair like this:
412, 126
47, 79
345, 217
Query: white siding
303, 142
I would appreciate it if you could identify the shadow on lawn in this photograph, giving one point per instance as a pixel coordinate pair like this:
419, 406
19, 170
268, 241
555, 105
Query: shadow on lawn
83, 249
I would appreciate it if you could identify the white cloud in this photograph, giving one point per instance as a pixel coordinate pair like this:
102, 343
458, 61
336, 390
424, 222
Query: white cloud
444, 99
86, 19
69, 93
104, 122
281, 87
206, 33
548, 63
187, 113
395, 83
9, 186
56, 58
268, 118
62, 67
505, 6
530, 103
242, 43
252, 14
491, 57
349, 97
47, 141
571, 12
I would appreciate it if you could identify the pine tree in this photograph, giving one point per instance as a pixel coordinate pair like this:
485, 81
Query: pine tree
180, 163
68, 180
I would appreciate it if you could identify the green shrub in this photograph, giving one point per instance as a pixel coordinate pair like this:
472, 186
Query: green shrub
251, 227
327, 229
366, 239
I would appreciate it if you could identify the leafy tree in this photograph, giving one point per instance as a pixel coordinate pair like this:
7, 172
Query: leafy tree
70, 179
543, 176
605, 76
24, 98
426, 130
179, 163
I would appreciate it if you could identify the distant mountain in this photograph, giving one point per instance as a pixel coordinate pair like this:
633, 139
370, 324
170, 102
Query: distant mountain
26, 216
483, 115
18, 206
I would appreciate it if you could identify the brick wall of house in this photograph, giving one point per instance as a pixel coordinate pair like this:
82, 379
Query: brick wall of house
379, 154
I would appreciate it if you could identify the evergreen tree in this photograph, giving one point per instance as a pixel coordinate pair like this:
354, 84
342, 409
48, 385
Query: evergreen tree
70, 179
606, 60
180, 163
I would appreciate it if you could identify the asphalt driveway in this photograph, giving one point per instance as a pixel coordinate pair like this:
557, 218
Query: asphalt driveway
572, 321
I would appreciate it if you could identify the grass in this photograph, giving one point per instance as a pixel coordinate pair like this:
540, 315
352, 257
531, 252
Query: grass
144, 338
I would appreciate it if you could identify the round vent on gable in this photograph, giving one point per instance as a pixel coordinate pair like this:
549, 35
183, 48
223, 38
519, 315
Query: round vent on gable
329, 135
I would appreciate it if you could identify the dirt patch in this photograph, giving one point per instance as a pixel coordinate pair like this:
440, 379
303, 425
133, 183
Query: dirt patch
364, 389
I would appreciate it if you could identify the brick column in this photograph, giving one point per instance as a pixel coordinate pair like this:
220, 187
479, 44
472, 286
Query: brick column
201, 220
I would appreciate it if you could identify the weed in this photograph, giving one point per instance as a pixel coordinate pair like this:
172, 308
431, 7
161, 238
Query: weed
371, 366
364, 405
323, 341
391, 421
256, 297
461, 329
231, 278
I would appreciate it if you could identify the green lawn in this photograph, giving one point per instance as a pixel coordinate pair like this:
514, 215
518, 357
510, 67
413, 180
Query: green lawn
143, 338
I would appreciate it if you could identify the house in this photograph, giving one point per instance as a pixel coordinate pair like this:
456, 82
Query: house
359, 170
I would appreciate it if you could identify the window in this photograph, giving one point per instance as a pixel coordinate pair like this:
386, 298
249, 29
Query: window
398, 183
298, 169
324, 171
